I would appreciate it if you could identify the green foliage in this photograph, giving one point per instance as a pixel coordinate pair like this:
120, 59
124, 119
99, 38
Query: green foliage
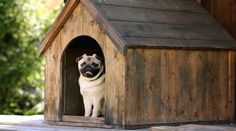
23, 24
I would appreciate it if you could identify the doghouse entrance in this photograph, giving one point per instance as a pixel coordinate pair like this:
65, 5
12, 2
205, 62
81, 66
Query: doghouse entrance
73, 107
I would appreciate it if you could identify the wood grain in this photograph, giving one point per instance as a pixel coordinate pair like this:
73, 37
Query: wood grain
184, 86
80, 119
223, 12
56, 27
53, 87
120, 13
172, 5
115, 85
149, 30
135, 42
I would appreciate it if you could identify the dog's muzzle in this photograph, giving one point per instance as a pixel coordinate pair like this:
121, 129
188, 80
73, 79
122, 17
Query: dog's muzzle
89, 71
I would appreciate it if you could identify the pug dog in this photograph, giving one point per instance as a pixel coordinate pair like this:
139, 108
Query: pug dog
91, 81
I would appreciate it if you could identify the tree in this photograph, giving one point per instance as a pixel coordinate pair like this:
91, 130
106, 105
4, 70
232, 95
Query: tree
22, 27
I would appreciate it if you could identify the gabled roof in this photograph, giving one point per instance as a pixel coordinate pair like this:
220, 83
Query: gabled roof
150, 24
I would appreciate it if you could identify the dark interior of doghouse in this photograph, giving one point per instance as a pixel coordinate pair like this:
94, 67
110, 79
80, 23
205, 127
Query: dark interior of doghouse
72, 99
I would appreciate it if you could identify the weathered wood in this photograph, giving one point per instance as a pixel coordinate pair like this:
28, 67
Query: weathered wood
80, 119
138, 42
149, 30
78, 124
115, 89
231, 76
233, 20
224, 13
104, 25
172, 5
188, 86
56, 27
53, 81
117, 13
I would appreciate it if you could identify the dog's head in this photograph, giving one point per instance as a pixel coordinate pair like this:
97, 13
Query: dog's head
90, 66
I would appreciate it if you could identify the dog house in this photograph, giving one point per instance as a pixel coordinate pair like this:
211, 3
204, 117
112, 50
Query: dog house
167, 61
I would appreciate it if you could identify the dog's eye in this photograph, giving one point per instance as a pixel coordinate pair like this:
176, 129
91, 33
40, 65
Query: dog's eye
94, 65
83, 64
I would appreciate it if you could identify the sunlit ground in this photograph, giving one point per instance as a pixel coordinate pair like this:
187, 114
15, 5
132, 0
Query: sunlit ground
21, 119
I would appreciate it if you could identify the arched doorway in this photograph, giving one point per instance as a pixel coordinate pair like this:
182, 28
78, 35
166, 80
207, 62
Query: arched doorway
72, 102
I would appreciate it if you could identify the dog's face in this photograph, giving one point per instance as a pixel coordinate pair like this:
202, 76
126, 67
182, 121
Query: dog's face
90, 66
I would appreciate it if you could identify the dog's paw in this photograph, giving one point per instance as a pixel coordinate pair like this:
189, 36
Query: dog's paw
94, 115
86, 115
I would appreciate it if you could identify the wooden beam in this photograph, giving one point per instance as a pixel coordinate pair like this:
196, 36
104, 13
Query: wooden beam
81, 119
57, 25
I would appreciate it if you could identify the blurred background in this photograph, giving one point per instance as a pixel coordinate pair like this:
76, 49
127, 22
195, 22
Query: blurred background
23, 24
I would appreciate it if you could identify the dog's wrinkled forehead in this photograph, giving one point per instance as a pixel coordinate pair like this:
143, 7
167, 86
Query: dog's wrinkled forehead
89, 58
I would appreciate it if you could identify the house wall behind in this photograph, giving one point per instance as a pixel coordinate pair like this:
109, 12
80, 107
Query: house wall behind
224, 12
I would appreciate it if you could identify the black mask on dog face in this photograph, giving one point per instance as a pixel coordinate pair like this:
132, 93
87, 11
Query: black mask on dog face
90, 66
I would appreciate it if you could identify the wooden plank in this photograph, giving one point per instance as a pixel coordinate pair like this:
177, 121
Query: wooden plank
134, 42
196, 65
164, 94
53, 82
115, 84
223, 71
212, 84
233, 20
117, 13
232, 90
135, 88
149, 30
57, 25
152, 86
183, 86
171, 89
172, 5
72, 29
81, 119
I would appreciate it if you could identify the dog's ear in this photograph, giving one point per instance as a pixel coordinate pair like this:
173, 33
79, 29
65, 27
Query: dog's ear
78, 59
98, 57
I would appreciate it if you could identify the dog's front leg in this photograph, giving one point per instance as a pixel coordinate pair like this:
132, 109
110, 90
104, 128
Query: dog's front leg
96, 107
88, 107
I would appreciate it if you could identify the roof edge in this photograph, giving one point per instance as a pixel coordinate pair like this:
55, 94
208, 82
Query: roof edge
57, 25
104, 25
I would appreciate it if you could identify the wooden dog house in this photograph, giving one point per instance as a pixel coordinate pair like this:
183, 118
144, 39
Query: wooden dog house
167, 61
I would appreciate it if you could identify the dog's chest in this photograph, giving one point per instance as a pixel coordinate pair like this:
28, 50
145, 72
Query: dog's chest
91, 88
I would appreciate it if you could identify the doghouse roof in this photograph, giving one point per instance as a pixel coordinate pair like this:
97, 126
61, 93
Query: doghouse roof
150, 24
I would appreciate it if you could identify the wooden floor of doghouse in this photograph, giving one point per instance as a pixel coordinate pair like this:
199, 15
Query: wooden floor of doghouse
35, 123
80, 121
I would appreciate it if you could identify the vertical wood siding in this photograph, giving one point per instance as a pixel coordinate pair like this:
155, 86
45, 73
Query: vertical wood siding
169, 86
